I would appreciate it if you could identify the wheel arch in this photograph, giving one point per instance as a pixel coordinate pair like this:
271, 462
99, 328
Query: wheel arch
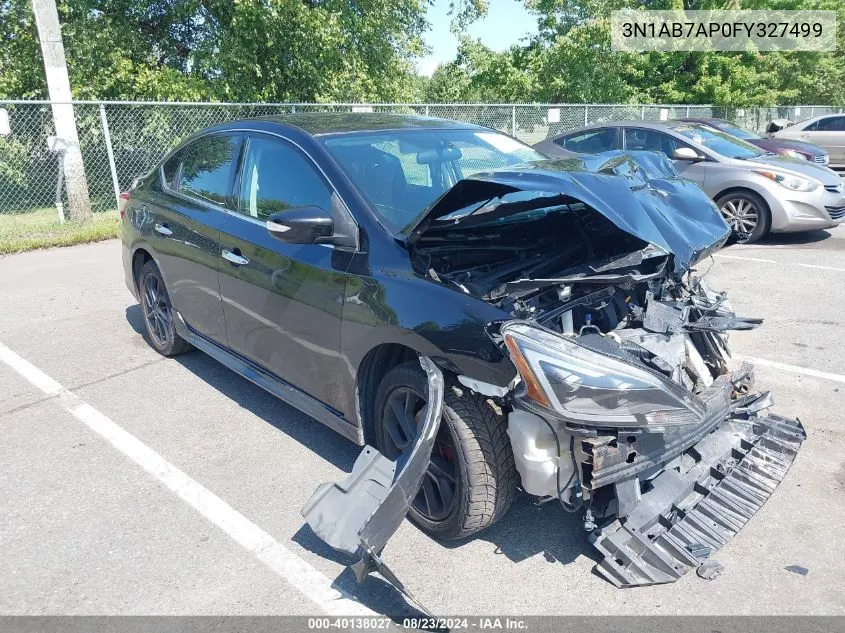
741, 189
140, 257
371, 371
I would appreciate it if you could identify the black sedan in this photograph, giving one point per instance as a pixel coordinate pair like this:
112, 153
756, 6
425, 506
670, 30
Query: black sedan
480, 317
779, 146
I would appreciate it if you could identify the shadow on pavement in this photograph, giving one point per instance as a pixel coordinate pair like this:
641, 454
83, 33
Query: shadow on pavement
290, 421
525, 531
803, 237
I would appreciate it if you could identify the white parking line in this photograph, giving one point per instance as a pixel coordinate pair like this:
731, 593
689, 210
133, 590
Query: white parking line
305, 578
838, 270
772, 261
746, 259
793, 368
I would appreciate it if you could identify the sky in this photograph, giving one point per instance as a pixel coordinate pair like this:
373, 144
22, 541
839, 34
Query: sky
506, 23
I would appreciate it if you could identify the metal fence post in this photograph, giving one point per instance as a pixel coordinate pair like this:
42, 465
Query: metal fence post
586, 107
642, 113
513, 120
110, 152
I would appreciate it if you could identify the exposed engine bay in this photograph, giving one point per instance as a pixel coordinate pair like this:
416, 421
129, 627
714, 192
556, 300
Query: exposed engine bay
627, 406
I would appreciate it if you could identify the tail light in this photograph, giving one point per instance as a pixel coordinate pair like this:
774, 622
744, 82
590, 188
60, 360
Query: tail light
123, 201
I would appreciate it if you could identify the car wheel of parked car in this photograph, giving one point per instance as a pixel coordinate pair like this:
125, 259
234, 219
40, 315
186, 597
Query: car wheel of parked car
746, 213
472, 478
158, 314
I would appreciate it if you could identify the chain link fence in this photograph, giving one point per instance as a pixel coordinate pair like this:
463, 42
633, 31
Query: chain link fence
120, 140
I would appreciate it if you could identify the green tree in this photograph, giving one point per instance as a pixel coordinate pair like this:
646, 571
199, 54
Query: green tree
250, 50
479, 74
570, 60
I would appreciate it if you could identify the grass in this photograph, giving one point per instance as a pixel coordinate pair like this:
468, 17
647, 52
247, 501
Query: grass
42, 229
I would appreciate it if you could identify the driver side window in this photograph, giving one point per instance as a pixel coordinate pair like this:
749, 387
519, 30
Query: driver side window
276, 177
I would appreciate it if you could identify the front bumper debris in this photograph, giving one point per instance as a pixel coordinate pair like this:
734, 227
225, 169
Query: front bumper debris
691, 510
360, 515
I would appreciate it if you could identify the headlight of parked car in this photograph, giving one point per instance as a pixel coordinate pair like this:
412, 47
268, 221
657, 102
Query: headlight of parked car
590, 387
791, 153
794, 183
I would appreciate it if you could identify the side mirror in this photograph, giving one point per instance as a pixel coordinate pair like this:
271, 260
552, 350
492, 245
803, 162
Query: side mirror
303, 225
686, 153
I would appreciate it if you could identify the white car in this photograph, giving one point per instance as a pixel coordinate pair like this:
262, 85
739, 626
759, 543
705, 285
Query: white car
826, 131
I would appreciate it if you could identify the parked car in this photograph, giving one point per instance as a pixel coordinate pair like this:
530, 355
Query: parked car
756, 193
826, 131
480, 322
781, 147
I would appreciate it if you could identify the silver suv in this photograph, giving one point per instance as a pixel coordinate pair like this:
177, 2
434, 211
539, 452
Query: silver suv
756, 192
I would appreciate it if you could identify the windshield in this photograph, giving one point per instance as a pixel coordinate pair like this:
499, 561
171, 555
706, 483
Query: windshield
720, 142
735, 131
401, 172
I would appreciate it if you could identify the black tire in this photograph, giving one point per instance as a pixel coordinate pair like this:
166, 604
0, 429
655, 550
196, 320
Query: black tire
744, 197
485, 474
159, 328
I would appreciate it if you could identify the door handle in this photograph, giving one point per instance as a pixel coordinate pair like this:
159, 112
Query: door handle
163, 230
233, 257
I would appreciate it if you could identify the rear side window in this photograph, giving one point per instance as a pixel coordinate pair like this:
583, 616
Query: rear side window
832, 124
170, 170
207, 168
277, 177
589, 142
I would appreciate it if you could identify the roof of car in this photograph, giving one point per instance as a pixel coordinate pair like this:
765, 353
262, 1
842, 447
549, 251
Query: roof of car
318, 123
702, 119
655, 125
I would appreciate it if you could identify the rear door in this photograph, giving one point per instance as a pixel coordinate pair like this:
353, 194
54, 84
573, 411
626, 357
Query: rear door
183, 228
283, 302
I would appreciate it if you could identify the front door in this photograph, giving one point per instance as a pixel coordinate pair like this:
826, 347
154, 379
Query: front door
656, 141
283, 302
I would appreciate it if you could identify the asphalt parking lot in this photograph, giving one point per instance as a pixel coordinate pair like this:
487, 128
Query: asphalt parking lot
134, 484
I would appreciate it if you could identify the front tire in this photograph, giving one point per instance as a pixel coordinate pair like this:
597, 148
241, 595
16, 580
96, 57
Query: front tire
159, 325
747, 214
472, 479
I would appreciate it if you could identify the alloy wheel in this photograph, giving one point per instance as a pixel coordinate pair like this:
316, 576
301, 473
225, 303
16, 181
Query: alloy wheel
401, 416
742, 215
156, 309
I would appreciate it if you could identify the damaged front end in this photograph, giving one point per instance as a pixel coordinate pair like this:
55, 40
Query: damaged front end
669, 451
626, 406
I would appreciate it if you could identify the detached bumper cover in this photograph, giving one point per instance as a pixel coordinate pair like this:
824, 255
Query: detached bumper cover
360, 515
691, 510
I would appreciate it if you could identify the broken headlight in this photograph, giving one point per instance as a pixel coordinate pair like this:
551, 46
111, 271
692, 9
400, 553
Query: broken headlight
594, 388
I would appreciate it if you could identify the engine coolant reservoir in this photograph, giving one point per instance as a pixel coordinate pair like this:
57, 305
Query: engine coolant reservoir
535, 454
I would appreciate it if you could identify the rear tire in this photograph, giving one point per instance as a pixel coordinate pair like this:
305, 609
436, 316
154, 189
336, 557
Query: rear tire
472, 439
747, 214
159, 321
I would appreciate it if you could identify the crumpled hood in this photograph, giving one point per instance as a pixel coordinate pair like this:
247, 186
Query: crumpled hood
639, 191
